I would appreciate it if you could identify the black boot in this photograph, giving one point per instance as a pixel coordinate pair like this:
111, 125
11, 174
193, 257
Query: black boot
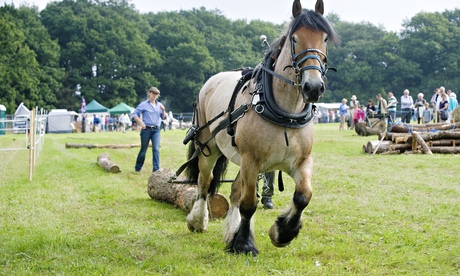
267, 202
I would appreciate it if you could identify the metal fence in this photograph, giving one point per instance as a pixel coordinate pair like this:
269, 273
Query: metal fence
32, 129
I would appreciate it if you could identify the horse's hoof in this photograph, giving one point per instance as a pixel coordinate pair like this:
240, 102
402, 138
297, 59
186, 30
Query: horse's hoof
195, 226
244, 250
273, 233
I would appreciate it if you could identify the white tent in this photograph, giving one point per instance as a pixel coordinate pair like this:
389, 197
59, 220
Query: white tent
21, 119
22, 110
60, 121
326, 106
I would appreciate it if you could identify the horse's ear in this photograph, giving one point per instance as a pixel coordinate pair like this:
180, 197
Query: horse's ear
296, 8
319, 7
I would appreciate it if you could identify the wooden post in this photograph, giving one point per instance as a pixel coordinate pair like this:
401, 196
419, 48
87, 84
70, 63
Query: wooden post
31, 143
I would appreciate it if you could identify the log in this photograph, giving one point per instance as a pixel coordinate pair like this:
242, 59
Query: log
98, 146
444, 143
183, 195
445, 150
405, 128
104, 161
374, 147
418, 140
426, 136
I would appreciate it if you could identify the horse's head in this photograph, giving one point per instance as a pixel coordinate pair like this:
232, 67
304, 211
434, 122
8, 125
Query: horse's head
308, 35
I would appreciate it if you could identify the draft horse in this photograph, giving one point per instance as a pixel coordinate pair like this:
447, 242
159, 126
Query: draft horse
268, 119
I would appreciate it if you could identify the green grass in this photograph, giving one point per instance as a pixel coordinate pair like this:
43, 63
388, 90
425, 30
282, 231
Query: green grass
373, 215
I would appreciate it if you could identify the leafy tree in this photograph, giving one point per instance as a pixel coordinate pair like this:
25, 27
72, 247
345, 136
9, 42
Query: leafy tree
102, 51
187, 60
18, 65
431, 41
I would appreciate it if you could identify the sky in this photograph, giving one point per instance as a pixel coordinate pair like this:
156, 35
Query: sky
389, 13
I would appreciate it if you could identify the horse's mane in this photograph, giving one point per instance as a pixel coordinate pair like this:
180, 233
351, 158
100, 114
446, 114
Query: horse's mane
310, 20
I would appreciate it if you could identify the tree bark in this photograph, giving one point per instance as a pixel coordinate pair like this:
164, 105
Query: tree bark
104, 161
183, 195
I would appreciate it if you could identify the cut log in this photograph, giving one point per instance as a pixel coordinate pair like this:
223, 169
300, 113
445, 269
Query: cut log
97, 146
406, 128
444, 143
418, 140
183, 195
104, 161
374, 147
445, 150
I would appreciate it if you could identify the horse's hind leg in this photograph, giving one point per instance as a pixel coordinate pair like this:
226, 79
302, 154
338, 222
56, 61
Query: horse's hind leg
197, 219
239, 225
288, 224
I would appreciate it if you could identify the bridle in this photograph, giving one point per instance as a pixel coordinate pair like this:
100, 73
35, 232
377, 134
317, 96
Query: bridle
323, 69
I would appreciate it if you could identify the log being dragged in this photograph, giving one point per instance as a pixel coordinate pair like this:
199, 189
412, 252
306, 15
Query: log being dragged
104, 161
183, 195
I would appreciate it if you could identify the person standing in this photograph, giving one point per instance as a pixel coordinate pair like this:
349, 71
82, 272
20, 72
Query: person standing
453, 104
148, 115
381, 105
354, 105
443, 106
391, 107
419, 106
170, 120
343, 113
370, 108
407, 104
267, 189
181, 120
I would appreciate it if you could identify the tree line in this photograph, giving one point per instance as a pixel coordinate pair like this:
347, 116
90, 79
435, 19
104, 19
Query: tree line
110, 52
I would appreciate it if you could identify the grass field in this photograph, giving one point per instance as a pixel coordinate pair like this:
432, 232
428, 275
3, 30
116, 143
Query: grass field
370, 215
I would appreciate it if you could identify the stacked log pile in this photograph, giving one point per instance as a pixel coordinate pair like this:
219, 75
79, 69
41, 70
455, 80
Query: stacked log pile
425, 138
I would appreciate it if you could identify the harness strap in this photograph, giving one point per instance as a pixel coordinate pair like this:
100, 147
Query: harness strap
236, 114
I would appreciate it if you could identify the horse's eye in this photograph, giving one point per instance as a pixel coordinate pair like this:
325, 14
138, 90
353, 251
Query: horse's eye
326, 39
294, 40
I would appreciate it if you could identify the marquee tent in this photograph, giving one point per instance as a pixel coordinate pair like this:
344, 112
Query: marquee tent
60, 121
95, 107
121, 108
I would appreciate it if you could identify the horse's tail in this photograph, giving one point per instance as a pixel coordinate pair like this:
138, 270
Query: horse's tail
219, 170
192, 170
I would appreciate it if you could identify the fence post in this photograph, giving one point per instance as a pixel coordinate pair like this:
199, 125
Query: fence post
32, 128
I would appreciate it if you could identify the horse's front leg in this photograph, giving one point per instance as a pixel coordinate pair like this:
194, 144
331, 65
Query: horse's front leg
288, 224
239, 226
197, 219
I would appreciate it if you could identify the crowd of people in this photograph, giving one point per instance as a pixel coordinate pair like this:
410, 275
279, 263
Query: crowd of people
98, 123
438, 109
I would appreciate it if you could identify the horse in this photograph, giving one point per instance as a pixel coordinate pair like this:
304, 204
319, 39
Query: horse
270, 129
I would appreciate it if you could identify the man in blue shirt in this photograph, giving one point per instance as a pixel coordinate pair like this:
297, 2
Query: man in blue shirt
148, 115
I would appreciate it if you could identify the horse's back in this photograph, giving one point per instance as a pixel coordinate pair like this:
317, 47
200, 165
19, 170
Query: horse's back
216, 93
